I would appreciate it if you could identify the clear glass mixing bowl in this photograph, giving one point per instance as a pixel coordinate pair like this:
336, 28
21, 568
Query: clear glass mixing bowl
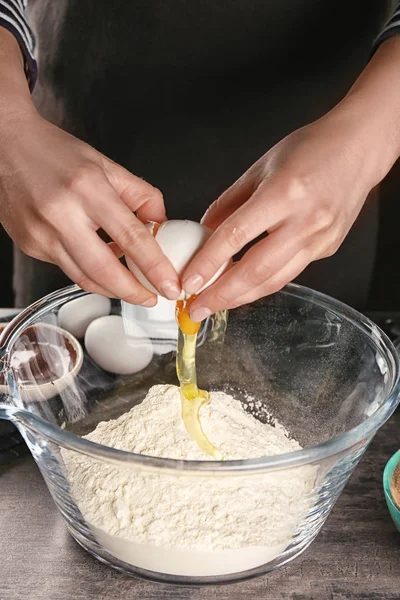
324, 371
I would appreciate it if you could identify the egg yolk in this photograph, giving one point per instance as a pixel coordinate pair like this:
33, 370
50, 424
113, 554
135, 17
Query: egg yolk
186, 324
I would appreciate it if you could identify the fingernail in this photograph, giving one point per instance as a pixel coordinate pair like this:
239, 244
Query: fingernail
170, 289
150, 302
199, 314
192, 284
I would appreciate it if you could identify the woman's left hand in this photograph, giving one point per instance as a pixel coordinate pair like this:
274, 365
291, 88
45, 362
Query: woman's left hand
306, 192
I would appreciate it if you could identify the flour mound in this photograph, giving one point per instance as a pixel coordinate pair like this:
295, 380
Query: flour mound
186, 512
155, 428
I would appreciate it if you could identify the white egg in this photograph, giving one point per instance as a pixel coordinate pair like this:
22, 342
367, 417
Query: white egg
118, 346
179, 241
76, 316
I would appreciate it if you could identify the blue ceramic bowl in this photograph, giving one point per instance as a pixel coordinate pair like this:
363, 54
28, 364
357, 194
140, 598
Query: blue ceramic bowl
387, 478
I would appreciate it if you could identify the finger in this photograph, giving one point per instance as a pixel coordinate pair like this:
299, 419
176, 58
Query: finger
98, 262
76, 275
276, 282
259, 214
259, 264
230, 200
141, 197
134, 239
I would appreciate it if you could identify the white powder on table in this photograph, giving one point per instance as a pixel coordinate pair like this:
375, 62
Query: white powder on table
190, 525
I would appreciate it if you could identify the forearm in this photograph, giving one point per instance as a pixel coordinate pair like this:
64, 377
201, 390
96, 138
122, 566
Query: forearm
373, 104
13, 18
15, 98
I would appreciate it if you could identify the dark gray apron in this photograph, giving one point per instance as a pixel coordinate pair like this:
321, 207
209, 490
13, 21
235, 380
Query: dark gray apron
189, 94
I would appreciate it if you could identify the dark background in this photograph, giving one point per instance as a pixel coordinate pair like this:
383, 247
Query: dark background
385, 289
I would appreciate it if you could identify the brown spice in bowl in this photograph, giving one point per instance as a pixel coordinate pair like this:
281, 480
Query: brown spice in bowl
40, 355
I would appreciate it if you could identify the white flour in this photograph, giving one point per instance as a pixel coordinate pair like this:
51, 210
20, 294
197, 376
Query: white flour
190, 525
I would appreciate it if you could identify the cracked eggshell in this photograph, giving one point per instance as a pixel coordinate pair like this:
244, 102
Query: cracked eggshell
179, 241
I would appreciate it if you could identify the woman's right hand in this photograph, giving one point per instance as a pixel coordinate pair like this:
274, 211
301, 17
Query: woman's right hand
56, 192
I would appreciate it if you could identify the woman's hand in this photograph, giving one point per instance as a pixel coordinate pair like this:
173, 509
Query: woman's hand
56, 192
306, 192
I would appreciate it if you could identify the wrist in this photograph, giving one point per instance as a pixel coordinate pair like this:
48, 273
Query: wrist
372, 108
15, 115
15, 98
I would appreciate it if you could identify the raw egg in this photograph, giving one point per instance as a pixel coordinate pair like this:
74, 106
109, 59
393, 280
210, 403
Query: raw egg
186, 325
179, 241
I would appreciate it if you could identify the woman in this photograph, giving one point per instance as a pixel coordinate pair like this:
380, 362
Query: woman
187, 98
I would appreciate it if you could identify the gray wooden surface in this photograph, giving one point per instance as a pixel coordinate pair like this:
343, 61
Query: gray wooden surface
356, 556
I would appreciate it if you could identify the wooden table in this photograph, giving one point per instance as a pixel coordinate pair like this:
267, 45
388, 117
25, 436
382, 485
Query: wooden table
355, 557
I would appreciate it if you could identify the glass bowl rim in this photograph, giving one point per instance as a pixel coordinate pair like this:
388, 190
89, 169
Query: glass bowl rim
122, 458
